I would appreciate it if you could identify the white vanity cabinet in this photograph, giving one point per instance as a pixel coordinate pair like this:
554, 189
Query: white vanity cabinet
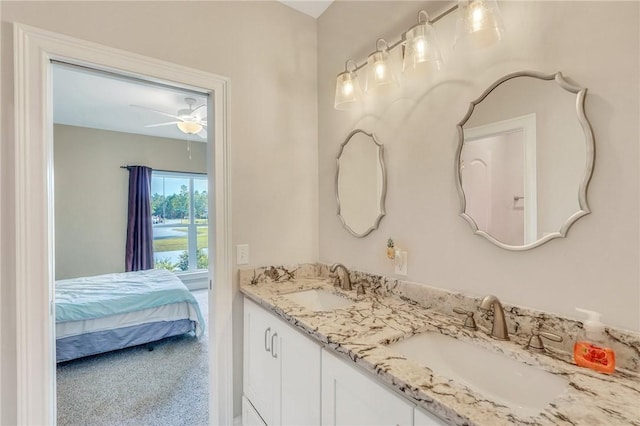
281, 371
350, 397
250, 416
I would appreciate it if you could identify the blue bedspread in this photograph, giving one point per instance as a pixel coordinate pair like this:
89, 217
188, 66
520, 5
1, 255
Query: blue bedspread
119, 293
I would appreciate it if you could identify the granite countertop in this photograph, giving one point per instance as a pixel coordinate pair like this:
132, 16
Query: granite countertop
360, 332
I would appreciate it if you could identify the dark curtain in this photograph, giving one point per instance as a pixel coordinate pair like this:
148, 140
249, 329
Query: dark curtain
139, 249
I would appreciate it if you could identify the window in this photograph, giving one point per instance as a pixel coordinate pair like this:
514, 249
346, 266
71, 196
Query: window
179, 208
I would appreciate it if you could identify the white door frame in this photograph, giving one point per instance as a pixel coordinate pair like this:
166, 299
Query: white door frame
526, 124
33, 51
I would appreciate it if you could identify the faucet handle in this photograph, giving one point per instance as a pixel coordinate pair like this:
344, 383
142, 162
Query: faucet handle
336, 279
469, 322
535, 341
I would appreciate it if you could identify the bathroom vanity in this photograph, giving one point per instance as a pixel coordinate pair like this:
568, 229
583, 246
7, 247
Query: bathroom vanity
316, 354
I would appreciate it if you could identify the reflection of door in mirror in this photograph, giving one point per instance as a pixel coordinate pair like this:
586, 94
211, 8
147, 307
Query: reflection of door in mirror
544, 182
360, 183
498, 172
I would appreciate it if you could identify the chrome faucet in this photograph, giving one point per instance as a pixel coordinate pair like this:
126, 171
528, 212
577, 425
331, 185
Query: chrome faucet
345, 281
499, 330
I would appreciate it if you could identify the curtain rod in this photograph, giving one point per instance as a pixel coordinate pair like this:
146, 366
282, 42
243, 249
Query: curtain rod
168, 171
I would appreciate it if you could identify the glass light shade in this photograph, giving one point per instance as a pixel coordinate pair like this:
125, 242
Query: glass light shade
479, 24
421, 48
380, 76
189, 127
347, 90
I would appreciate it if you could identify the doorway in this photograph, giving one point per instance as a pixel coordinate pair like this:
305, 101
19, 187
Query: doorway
100, 126
34, 51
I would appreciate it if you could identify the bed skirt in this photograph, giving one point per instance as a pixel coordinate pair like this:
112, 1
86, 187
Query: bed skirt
68, 348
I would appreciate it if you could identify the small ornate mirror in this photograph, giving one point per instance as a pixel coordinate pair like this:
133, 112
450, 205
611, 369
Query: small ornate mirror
524, 161
360, 183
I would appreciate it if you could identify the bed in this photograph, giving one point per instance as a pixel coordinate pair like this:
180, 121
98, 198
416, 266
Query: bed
114, 311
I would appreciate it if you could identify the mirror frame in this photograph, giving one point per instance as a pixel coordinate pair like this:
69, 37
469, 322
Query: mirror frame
383, 194
590, 158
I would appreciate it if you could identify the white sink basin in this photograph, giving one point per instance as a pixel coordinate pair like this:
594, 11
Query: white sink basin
318, 300
525, 389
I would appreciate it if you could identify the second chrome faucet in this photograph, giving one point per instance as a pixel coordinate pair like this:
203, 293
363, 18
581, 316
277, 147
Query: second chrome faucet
345, 280
499, 328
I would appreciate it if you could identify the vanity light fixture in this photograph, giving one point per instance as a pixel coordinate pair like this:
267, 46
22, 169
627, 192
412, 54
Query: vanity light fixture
347, 87
421, 47
479, 24
380, 76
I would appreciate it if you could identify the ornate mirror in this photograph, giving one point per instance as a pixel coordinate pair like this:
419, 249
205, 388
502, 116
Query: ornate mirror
524, 161
360, 183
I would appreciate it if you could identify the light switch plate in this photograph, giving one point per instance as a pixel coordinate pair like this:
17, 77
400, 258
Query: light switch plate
401, 263
242, 254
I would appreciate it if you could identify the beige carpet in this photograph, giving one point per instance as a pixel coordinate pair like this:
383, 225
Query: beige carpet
168, 385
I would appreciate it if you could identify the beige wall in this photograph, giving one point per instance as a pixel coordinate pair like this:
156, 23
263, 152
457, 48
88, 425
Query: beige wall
597, 265
91, 192
269, 52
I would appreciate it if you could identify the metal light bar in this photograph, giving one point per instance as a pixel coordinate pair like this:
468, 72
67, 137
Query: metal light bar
441, 15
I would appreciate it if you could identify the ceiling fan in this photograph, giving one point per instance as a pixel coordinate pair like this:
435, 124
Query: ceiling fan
188, 120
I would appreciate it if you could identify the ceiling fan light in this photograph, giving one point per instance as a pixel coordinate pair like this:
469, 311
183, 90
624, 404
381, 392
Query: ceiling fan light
189, 127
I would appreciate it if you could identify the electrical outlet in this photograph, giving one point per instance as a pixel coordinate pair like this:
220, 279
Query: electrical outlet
242, 254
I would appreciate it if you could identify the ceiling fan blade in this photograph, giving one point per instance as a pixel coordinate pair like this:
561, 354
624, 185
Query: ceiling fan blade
198, 107
203, 133
156, 111
168, 123
203, 123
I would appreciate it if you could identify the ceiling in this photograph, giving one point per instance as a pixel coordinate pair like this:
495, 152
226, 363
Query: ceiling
93, 99
313, 8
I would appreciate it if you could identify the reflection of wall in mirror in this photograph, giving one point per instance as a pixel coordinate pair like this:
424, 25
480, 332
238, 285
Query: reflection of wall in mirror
360, 183
493, 173
560, 152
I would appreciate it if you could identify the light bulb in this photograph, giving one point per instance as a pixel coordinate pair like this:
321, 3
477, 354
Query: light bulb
347, 88
420, 49
478, 13
381, 70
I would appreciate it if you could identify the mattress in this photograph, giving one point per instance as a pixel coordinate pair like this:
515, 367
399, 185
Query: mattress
112, 311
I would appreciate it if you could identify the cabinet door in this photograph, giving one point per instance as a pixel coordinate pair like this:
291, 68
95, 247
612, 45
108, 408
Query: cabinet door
300, 377
261, 376
350, 397
424, 418
250, 416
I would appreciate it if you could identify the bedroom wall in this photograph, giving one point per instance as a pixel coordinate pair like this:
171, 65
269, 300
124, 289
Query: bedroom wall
597, 265
91, 192
269, 52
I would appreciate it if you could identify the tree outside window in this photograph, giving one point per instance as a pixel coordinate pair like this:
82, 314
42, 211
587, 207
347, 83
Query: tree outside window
179, 206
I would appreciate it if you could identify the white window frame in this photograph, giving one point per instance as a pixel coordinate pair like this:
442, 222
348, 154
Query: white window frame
192, 227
